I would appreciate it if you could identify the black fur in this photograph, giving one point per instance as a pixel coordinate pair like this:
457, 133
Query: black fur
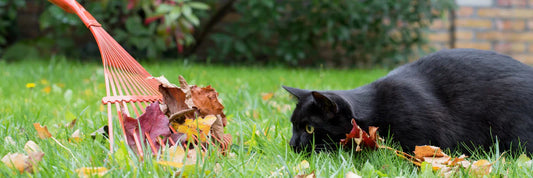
447, 99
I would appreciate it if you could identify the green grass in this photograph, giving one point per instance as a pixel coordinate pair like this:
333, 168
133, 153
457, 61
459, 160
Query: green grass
76, 90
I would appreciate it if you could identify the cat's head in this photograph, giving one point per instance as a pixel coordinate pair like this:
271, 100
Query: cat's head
319, 120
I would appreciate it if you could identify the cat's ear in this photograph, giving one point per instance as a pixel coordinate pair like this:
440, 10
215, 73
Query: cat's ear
298, 93
326, 104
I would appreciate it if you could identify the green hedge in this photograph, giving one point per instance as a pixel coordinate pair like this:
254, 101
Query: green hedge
335, 32
347, 33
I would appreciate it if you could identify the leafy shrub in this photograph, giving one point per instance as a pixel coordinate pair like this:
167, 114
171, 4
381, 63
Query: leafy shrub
336, 32
146, 28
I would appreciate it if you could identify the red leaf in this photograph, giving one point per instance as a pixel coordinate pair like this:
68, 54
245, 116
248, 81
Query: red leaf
360, 136
153, 121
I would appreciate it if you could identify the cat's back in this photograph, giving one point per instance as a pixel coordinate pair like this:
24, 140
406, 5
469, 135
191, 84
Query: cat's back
464, 94
470, 64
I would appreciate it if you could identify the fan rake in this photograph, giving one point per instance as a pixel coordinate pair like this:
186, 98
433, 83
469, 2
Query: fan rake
129, 87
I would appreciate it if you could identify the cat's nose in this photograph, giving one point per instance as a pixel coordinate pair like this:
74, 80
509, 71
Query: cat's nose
294, 143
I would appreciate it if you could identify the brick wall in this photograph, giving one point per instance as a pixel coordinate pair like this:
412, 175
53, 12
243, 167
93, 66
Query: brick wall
505, 26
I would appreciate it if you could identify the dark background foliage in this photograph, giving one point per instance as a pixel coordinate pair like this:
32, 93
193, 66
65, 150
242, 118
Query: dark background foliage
335, 33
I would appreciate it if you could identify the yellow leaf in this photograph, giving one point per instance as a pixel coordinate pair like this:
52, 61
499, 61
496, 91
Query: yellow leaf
42, 131
75, 137
198, 128
301, 167
91, 171
170, 163
267, 96
481, 167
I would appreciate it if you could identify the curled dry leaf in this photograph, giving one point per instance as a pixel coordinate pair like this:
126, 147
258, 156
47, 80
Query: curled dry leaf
91, 171
71, 124
76, 136
447, 165
428, 151
352, 175
42, 131
360, 136
31, 147
173, 96
312, 175
23, 162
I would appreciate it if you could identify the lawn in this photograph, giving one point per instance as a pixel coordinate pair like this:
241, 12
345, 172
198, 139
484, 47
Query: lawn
261, 128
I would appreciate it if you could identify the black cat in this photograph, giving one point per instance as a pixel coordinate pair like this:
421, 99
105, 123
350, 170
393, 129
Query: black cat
454, 98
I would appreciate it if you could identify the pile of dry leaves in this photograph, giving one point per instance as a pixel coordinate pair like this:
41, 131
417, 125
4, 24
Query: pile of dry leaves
189, 116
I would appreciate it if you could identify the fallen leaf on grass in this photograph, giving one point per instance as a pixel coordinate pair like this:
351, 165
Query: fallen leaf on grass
447, 165
523, 161
198, 128
177, 157
267, 96
75, 137
312, 175
428, 151
302, 167
42, 131
424, 155
481, 167
360, 136
352, 175
91, 171
31, 147
25, 162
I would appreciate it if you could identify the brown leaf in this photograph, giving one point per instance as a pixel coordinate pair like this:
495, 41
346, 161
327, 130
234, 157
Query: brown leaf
23, 162
206, 100
173, 96
217, 129
428, 151
71, 124
42, 131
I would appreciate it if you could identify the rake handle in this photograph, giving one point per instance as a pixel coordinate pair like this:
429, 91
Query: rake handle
72, 6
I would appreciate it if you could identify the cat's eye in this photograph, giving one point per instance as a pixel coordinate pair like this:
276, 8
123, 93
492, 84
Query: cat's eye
309, 129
